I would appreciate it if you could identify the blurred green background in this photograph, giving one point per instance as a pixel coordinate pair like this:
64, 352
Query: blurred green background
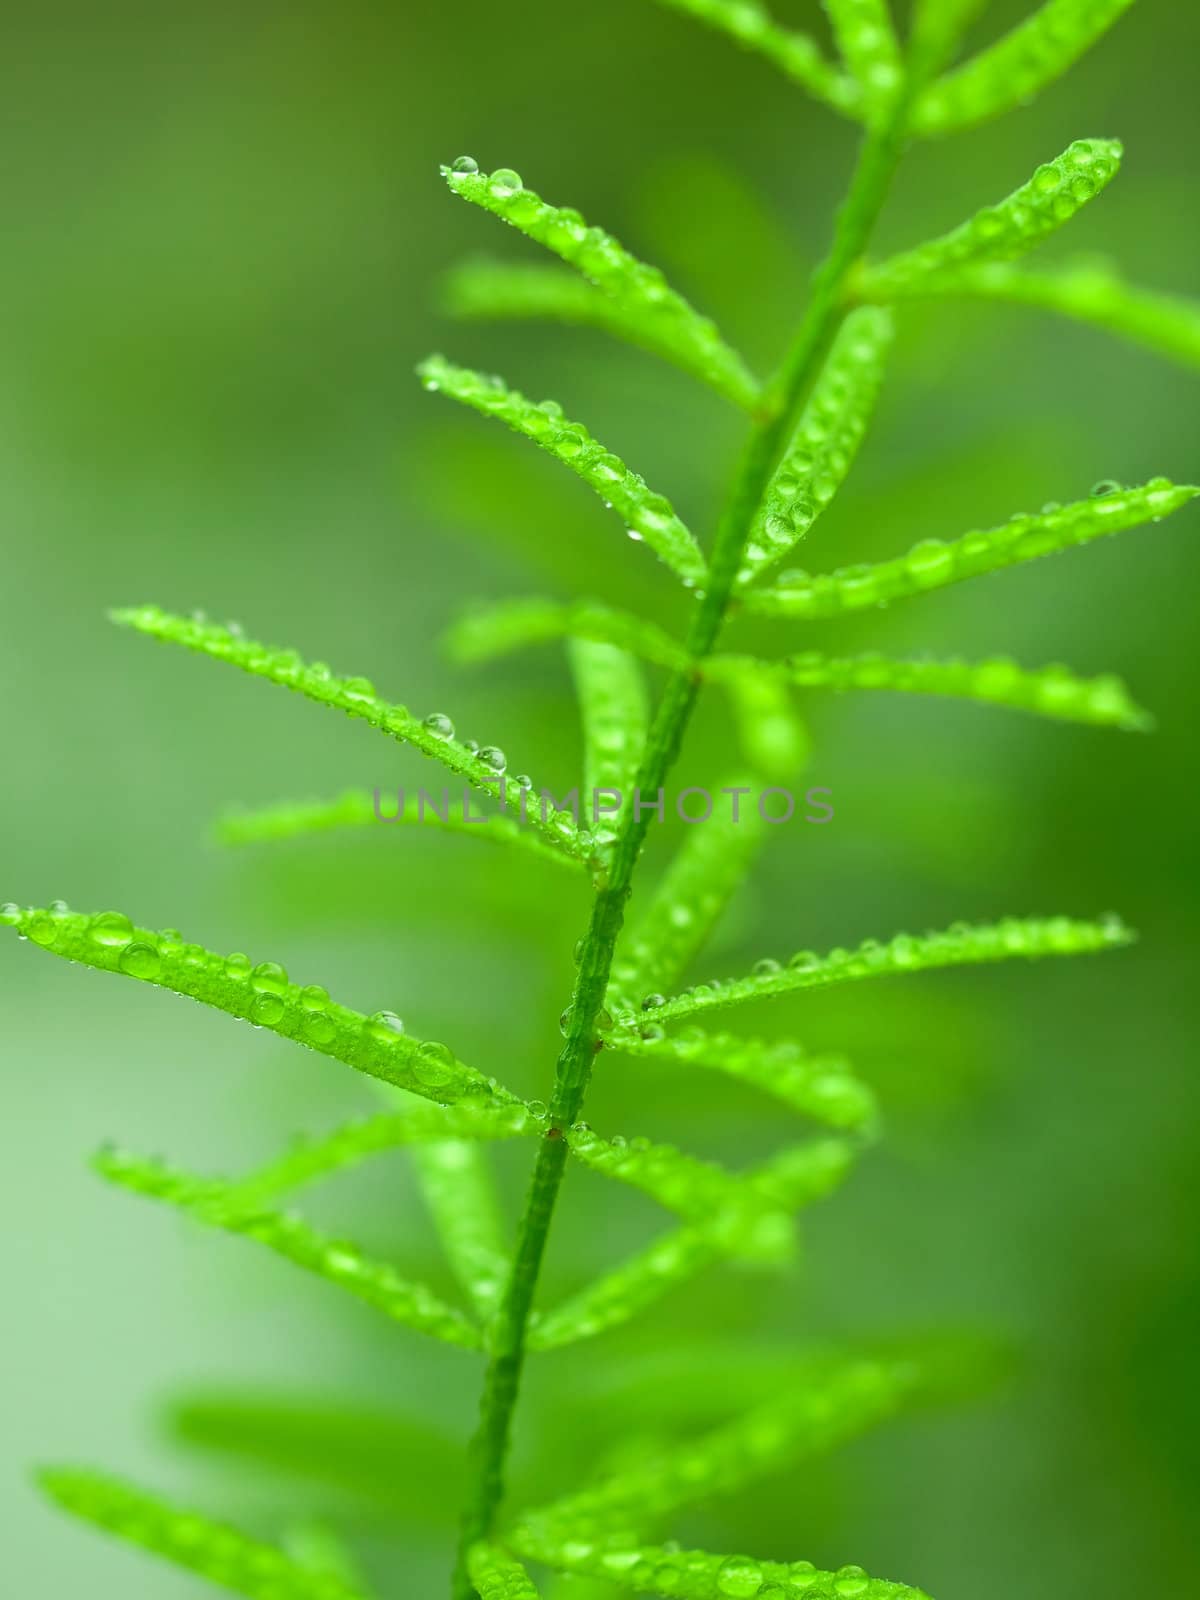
224, 232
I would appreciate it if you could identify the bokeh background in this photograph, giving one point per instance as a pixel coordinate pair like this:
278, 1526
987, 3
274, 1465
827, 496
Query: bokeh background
224, 231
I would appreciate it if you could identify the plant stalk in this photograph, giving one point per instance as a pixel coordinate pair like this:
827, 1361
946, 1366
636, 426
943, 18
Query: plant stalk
785, 395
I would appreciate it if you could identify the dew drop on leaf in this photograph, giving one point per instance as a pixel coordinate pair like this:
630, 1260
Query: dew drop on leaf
111, 929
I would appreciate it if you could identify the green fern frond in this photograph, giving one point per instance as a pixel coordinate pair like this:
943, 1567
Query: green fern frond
1051, 691
497, 291
497, 1576
1010, 72
1089, 291
456, 1181
794, 53
822, 1087
434, 736
698, 1574
649, 517
1015, 225
211, 1550
935, 563
362, 808
645, 299
684, 906
616, 717
828, 1400
797, 1176
698, 1191
866, 38
218, 1204
485, 632
263, 996
960, 945
825, 442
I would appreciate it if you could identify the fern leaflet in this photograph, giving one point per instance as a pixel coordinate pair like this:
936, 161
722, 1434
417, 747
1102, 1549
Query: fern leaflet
641, 293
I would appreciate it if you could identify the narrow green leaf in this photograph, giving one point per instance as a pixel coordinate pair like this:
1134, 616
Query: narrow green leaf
212, 1550
795, 54
497, 291
420, 1125
649, 517
826, 1402
1010, 72
934, 563
827, 438
1051, 691
937, 29
684, 905
263, 996
362, 808
698, 1574
485, 632
218, 1204
961, 945
1013, 227
459, 1190
619, 1295
313, 1545
866, 37
823, 1087
433, 737
497, 1576
699, 1191
641, 292
797, 1176
1087, 291
616, 718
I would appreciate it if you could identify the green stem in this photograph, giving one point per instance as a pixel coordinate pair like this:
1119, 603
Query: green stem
787, 392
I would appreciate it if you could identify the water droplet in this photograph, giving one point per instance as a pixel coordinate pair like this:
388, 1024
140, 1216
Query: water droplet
267, 1010
385, 1026
358, 691
740, 1577
651, 1002
43, 929
492, 756
314, 998
10, 913
465, 164
564, 1022
110, 928
805, 961
434, 1065
766, 968
929, 561
269, 978
1106, 486
439, 724
471, 745
237, 966
850, 1581
139, 961
523, 781
504, 182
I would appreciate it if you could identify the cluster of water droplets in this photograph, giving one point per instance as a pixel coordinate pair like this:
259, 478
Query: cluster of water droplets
961, 943
996, 233
826, 439
609, 266
650, 516
933, 563
1053, 691
669, 1570
260, 993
